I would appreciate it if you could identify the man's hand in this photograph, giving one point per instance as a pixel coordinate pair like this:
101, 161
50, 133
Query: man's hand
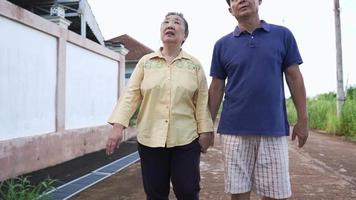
205, 140
114, 139
300, 131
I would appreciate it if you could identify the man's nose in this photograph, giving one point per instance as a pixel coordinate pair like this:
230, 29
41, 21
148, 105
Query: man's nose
170, 24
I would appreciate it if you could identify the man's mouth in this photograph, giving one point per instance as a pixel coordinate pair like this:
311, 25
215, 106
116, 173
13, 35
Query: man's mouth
243, 6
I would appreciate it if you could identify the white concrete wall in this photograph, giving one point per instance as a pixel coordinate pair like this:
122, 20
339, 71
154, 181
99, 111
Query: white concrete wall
54, 86
91, 88
27, 81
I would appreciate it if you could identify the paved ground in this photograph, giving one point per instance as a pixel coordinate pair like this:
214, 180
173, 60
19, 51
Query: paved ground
324, 169
80, 166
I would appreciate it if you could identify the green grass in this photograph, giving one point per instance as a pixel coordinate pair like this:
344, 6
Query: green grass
291, 112
20, 188
348, 119
322, 113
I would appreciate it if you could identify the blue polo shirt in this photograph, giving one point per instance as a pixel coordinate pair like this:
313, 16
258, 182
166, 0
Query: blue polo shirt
253, 64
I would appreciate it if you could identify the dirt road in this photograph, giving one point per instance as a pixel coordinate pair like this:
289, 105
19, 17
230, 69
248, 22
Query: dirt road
324, 169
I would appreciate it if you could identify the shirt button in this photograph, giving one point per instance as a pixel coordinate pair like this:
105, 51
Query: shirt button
166, 121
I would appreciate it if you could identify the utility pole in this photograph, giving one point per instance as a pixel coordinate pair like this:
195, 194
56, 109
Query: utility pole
340, 95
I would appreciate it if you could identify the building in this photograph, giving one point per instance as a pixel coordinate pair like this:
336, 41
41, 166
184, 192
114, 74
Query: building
135, 51
76, 14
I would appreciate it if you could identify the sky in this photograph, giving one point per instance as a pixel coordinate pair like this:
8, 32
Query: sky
311, 21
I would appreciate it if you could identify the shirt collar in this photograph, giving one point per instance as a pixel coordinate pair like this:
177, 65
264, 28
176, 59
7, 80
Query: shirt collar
264, 26
158, 53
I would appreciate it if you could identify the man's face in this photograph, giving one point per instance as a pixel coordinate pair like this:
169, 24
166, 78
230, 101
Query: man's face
173, 30
244, 8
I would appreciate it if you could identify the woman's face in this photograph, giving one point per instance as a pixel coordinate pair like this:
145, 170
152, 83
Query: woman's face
172, 30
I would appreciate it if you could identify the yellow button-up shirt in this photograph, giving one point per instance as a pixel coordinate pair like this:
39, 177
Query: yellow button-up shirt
173, 98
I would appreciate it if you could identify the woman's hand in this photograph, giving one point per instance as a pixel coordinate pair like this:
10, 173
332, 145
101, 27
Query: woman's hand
114, 139
205, 140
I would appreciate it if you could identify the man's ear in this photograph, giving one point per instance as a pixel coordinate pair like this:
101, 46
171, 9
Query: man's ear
230, 10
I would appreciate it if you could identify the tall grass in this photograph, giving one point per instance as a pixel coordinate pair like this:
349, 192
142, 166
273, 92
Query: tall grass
291, 112
322, 113
348, 114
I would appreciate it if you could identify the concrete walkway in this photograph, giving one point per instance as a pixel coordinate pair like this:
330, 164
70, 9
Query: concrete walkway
324, 169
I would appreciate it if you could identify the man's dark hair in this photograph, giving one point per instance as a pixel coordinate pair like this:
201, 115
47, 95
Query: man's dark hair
186, 28
228, 2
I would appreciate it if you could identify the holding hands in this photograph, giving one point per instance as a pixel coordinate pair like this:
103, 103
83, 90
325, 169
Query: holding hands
206, 140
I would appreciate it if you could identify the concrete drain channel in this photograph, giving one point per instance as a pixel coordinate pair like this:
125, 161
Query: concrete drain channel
74, 187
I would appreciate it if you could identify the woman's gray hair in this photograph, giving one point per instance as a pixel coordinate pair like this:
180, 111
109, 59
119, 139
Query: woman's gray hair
186, 28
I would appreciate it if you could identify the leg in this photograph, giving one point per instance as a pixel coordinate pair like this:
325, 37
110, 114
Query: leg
155, 172
272, 168
239, 162
242, 196
267, 198
185, 171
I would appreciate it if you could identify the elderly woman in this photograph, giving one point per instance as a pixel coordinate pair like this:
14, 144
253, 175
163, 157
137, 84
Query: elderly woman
174, 123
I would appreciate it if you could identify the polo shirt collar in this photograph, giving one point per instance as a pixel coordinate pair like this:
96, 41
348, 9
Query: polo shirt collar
264, 26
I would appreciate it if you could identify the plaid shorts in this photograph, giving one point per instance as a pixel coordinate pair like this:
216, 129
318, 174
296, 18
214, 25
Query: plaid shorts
257, 163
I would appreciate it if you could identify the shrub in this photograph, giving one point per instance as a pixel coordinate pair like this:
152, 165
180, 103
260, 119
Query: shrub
20, 188
351, 93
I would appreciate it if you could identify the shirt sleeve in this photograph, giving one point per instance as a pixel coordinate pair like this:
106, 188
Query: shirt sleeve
202, 113
217, 70
292, 55
130, 99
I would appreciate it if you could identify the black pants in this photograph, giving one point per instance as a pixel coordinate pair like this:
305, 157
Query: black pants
177, 164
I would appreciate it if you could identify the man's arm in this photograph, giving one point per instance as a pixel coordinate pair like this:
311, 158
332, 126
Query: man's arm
296, 86
204, 122
216, 93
